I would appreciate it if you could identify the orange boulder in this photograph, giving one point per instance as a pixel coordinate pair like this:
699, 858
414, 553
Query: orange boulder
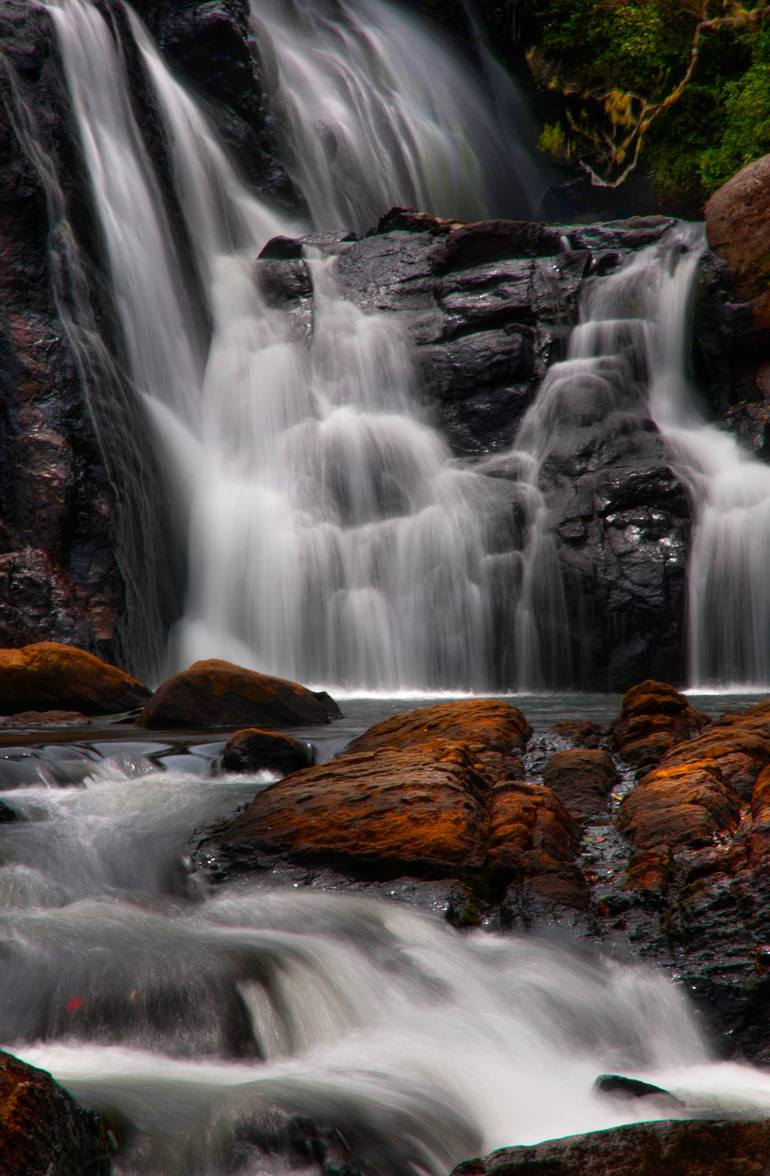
50, 676
653, 718
219, 694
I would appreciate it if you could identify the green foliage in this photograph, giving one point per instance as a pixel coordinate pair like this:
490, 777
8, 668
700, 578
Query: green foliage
600, 54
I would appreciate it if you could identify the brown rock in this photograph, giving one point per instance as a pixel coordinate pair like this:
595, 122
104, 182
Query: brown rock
43, 1130
582, 779
219, 694
738, 228
254, 750
50, 675
685, 805
492, 731
579, 732
385, 813
428, 793
739, 743
694, 1148
46, 718
654, 716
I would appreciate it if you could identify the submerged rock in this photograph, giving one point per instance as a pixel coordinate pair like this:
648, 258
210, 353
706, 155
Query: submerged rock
219, 694
42, 1129
644, 1149
50, 675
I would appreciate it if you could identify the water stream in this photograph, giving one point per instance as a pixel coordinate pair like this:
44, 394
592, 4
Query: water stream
256, 1029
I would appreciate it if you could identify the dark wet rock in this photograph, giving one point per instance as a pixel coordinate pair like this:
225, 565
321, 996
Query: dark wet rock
48, 674
582, 779
618, 1086
79, 524
579, 732
253, 750
645, 1149
219, 694
7, 814
42, 1129
654, 716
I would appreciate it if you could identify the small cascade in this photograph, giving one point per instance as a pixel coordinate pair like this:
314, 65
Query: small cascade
633, 348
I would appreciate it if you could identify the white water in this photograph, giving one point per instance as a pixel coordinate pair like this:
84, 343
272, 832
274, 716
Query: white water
634, 339
205, 1020
330, 535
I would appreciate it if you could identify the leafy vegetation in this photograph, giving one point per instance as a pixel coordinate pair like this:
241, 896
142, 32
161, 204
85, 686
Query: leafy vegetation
680, 85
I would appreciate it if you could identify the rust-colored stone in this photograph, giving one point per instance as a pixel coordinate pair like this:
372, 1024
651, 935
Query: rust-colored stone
254, 750
653, 718
494, 733
690, 1148
385, 812
682, 806
217, 693
430, 793
49, 675
738, 227
43, 1130
582, 778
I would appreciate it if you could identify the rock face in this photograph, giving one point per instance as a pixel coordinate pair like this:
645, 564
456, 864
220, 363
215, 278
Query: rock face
219, 694
644, 1149
738, 227
85, 552
42, 1129
50, 675
87, 547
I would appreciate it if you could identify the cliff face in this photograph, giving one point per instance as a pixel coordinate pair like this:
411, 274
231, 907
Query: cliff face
87, 548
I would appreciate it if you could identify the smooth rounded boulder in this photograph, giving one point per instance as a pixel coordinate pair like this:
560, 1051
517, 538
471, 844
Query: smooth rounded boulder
51, 676
219, 694
738, 228
255, 750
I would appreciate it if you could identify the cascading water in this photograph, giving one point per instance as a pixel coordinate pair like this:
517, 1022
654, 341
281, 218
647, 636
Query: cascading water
217, 1032
631, 352
331, 537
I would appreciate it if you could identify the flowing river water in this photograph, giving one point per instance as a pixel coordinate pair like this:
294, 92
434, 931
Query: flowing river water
255, 1027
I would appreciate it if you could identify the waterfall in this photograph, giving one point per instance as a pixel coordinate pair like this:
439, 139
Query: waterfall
331, 537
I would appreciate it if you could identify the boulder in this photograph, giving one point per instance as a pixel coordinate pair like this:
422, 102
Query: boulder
48, 674
254, 750
42, 1129
437, 792
582, 779
219, 694
654, 716
738, 228
46, 718
644, 1149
